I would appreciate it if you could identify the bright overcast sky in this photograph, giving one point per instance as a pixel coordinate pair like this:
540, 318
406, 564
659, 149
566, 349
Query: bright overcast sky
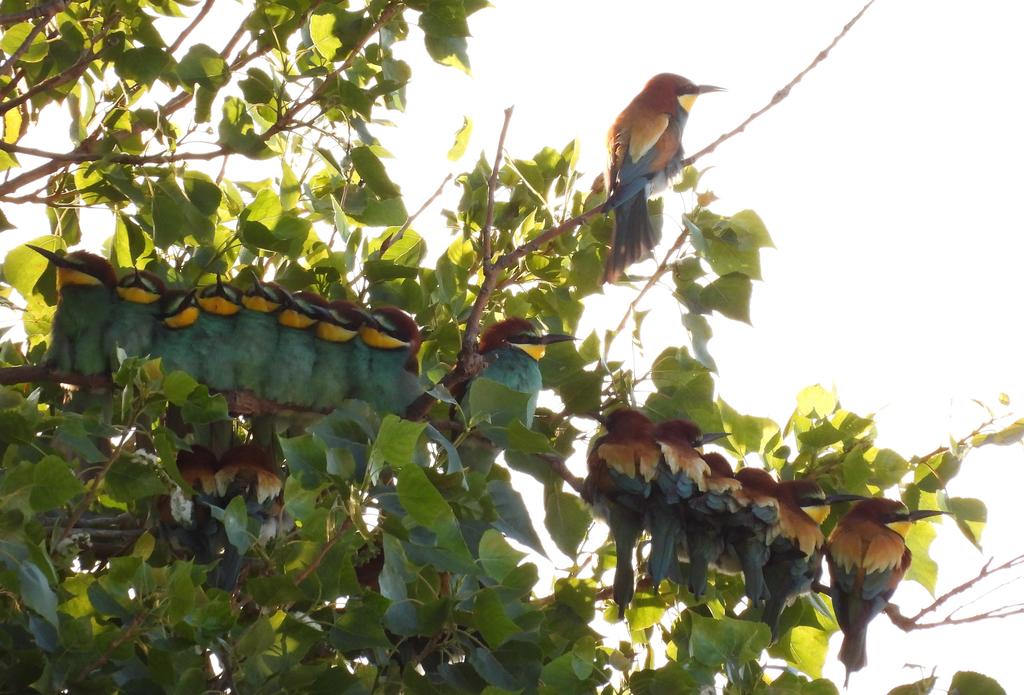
890, 181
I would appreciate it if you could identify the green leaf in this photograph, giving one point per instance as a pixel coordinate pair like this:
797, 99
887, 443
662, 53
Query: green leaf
204, 67
258, 638
923, 569
396, 441
202, 192
730, 296
816, 402
717, 641
16, 35
971, 683
372, 171
645, 610
566, 519
237, 132
55, 484
178, 385
921, 687
513, 518
23, 267
497, 556
142, 65
491, 619
747, 434
450, 51
35, 589
258, 87
971, 515
236, 524
383, 213
1008, 435
321, 31
462, 136
421, 499
804, 648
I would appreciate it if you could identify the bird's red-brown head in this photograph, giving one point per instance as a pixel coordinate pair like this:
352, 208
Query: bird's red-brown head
390, 328
718, 464
666, 89
678, 433
520, 333
629, 422
80, 268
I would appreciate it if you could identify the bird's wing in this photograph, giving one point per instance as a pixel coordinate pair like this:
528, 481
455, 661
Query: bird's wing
644, 133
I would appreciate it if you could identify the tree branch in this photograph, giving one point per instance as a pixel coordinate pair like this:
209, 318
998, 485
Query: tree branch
80, 156
782, 93
20, 51
652, 281
557, 464
492, 187
43, 11
907, 624
393, 239
203, 11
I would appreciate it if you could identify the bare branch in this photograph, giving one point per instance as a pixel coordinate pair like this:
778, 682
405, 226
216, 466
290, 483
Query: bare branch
782, 93
393, 239
492, 187
652, 281
80, 156
203, 11
557, 464
908, 624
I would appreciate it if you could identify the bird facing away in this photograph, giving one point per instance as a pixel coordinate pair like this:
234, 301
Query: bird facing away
85, 283
645, 152
867, 558
620, 466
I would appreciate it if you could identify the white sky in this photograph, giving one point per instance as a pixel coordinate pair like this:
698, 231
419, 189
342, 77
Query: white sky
889, 180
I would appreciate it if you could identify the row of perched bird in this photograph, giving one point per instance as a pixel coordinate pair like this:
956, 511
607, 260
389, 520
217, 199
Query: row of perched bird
652, 477
295, 349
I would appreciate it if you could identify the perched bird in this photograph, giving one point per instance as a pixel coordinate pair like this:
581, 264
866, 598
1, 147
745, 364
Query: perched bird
389, 379
85, 283
289, 379
173, 339
681, 475
256, 332
706, 515
337, 354
248, 471
867, 557
185, 518
644, 152
512, 349
620, 467
214, 334
135, 316
749, 531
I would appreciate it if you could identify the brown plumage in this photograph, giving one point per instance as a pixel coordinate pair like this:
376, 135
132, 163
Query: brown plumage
678, 441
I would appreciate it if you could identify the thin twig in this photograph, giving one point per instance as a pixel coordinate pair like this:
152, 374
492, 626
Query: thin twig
662, 269
78, 156
557, 464
492, 187
782, 93
127, 632
394, 238
203, 11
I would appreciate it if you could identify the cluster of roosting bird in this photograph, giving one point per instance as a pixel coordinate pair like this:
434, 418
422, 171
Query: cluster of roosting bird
294, 349
642, 476
652, 477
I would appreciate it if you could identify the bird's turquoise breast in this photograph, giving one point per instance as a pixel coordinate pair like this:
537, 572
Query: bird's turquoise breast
214, 343
388, 386
291, 370
332, 372
79, 326
254, 342
176, 348
132, 328
514, 369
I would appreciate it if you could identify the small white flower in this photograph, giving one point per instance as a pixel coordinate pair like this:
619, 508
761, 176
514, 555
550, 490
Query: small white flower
181, 507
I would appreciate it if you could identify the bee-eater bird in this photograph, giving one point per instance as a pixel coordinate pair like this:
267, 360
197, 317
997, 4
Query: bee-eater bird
256, 334
620, 467
337, 354
389, 381
750, 531
248, 471
867, 557
513, 348
681, 475
185, 519
289, 380
135, 316
214, 334
173, 340
85, 284
706, 516
645, 151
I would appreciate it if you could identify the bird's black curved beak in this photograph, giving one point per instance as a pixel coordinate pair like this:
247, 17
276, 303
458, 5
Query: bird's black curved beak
709, 437
919, 514
555, 338
840, 497
54, 258
708, 88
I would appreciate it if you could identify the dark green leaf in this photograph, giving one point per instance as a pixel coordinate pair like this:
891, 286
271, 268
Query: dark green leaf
971, 683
